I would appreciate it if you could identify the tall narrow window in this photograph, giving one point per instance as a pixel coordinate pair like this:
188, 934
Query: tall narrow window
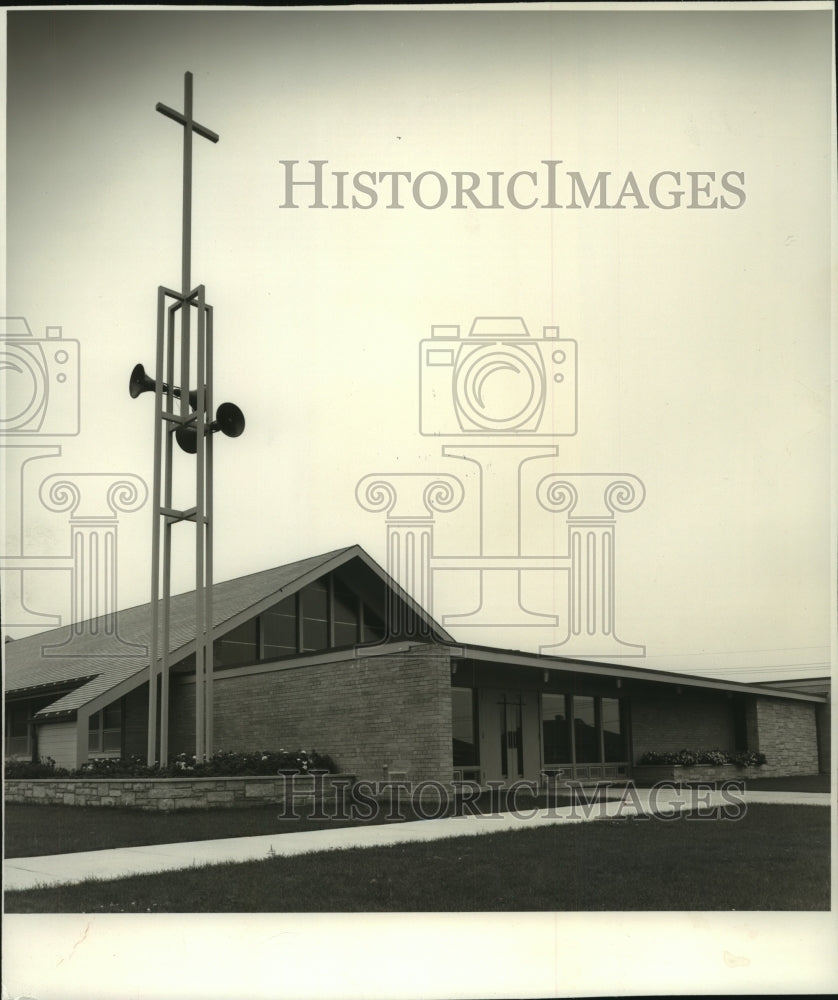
555, 728
314, 612
585, 730
464, 727
104, 730
613, 734
346, 615
112, 727
374, 629
279, 629
17, 731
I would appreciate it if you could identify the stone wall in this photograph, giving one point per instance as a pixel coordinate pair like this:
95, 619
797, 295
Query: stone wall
650, 773
824, 727
174, 793
787, 735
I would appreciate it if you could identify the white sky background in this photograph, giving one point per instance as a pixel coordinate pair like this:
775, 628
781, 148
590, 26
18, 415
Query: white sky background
703, 336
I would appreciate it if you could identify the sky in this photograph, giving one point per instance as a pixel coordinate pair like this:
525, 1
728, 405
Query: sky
702, 334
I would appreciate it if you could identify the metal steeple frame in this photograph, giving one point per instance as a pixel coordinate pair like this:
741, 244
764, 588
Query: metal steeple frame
188, 426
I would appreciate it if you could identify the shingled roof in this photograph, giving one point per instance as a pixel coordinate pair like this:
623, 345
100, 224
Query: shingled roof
92, 659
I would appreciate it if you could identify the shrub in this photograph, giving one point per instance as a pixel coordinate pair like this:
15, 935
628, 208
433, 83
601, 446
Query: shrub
131, 766
747, 758
43, 768
224, 763
268, 762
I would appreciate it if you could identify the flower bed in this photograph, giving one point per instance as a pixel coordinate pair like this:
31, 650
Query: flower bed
689, 758
696, 765
223, 764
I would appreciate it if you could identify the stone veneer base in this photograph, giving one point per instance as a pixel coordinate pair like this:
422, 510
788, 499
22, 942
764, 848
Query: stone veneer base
648, 773
173, 793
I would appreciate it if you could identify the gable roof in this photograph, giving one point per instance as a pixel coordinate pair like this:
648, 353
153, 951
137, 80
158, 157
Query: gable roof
99, 655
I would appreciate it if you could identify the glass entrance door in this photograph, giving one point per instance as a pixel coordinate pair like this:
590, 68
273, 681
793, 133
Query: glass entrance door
509, 735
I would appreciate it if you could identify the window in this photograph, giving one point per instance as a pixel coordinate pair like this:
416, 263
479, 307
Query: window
326, 614
279, 629
314, 614
17, 731
374, 628
599, 729
613, 735
555, 729
464, 727
237, 647
104, 730
347, 615
585, 730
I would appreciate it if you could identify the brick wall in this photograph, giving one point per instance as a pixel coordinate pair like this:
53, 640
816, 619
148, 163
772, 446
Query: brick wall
390, 711
787, 735
695, 721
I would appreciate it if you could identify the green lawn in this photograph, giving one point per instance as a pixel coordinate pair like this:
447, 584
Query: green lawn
775, 858
32, 830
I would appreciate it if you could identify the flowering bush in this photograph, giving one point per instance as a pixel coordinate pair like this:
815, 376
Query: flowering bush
235, 762
747, 758
224, 763
131, 766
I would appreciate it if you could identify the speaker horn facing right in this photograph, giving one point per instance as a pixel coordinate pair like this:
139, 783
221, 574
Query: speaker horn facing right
229, 419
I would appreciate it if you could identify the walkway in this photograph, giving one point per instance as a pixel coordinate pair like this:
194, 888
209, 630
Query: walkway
58, 869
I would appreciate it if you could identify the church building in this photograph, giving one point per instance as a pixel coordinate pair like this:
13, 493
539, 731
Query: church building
329, 653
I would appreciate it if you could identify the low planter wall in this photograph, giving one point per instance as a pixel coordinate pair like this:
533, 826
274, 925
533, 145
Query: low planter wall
650, 773
176, 793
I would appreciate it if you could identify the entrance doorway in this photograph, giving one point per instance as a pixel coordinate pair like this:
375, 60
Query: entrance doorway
509, 737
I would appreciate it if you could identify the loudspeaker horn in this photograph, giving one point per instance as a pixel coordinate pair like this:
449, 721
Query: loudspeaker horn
140, 383
229, 419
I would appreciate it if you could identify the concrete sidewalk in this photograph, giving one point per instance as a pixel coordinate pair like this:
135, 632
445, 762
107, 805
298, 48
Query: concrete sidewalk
62, 869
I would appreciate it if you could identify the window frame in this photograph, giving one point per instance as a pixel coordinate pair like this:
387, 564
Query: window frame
573, 760
100, 730
366, 619
24, 711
